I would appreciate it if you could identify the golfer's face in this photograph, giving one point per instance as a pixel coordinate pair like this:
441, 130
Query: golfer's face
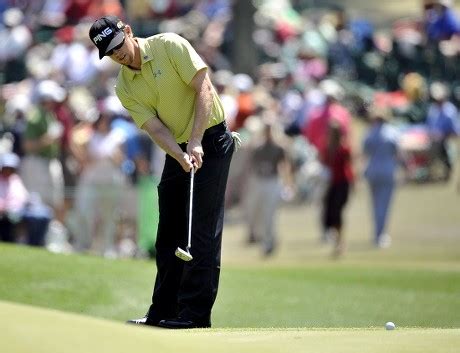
125, 54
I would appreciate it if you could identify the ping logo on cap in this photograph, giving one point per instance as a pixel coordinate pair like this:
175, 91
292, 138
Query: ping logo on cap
105, 33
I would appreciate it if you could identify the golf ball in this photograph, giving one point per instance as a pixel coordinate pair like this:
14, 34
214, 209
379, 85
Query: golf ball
390, 325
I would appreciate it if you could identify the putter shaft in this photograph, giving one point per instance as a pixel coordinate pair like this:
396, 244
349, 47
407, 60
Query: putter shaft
180, 253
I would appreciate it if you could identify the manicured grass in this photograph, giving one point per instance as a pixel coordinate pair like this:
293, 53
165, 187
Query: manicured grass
335, 296
26, 329
321, 295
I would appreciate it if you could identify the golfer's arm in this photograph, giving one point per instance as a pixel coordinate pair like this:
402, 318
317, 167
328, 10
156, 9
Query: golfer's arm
202, 85
161, 135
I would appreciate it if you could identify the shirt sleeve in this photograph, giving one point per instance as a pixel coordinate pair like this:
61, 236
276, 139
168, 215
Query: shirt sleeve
183, 57
139, 112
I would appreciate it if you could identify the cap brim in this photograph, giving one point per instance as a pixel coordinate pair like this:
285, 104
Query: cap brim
113, 43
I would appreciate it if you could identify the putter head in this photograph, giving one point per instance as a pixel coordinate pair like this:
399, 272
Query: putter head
183, 255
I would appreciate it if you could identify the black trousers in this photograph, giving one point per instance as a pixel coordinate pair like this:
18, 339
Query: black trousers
189, 289
334, 202
6, 230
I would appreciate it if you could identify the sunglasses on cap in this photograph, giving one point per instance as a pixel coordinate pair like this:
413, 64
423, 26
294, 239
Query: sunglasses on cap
111, 51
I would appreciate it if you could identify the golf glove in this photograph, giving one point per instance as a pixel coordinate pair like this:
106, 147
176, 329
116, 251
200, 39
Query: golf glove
236, 140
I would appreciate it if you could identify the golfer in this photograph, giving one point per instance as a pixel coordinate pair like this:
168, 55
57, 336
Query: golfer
165, 86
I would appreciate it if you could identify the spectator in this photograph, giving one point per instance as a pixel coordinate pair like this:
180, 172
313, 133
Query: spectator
214, 8
442, 122
341, 62
41, 169
440, 20
76, 10
337, 158
316, 128
13, 197
16, 110
15, 39
36, 218
135, 163
245, 99
99, 189
313, 99
414, 88
222, 80
380, 150
71, 56
268, 161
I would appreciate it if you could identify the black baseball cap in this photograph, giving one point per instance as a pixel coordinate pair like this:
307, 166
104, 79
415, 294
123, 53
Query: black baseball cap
106, 33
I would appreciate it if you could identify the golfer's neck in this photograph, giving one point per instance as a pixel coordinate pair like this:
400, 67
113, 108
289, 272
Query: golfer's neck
136, 65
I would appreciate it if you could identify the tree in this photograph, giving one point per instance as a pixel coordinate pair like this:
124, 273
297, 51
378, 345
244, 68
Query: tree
244, 52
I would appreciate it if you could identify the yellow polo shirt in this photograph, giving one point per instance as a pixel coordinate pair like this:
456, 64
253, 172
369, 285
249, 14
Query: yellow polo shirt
161, 87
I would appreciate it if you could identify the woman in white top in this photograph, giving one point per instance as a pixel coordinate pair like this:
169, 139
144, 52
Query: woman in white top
99, 188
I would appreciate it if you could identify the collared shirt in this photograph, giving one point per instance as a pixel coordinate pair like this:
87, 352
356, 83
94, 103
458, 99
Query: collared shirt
161, 87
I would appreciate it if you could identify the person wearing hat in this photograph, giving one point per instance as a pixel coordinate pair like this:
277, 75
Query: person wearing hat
380, 147
41, 168
13, 196
443, 123
165, 86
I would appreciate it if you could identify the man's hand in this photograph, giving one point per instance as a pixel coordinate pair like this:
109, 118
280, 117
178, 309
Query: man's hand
195, 151
185, 162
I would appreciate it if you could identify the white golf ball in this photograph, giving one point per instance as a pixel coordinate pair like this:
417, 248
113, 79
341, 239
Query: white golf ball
390, 325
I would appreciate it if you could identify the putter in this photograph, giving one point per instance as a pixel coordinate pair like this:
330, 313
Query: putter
180, 253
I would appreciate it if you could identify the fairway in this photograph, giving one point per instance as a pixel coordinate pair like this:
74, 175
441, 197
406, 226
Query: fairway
25, 329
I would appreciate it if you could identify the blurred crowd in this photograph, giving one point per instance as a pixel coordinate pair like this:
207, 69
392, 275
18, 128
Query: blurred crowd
71, 158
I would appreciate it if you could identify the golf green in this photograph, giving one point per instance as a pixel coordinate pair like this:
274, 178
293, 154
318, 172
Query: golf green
27, 329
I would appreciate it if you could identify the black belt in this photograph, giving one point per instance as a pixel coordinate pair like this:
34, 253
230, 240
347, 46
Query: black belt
216, 128
209, 131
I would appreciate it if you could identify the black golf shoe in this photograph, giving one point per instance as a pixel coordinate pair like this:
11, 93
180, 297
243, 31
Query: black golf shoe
180, 323
143, 321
